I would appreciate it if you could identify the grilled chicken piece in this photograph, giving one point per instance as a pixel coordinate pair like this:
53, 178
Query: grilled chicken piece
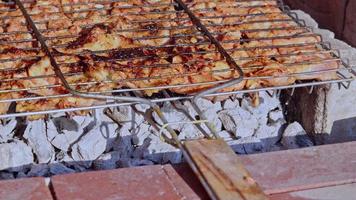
97, 38
267, 73
4, 106
35, 106
14, 58
15, 34
202, 72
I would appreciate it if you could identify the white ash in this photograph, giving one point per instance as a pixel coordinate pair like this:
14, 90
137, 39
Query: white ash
7, 130
35, 134
15, 155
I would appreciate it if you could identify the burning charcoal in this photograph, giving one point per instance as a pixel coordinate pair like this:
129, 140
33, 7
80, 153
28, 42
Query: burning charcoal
294, 136
38, 170
239, 122
59, 168
6, 130
15, 155
107, 161
35, 134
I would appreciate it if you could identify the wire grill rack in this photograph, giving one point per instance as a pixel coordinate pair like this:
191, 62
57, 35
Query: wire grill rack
189, 24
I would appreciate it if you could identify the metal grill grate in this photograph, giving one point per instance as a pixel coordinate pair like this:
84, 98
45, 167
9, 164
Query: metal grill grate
166, 44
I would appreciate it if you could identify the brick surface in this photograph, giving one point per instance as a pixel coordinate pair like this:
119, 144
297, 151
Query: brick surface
301, 169
339, 192
24, 189
150, 182
185, 182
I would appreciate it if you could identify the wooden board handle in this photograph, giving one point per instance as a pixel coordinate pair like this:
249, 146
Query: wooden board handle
224, 175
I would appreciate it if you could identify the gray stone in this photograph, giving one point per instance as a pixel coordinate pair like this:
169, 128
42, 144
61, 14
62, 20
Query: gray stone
21, 175
294, 136
269, 135
107, 161
59, 168
128, 162
38, 170
248, 145
307, 18
6, 175
35, 134
15, 155
326, 34
160, 152
123, 144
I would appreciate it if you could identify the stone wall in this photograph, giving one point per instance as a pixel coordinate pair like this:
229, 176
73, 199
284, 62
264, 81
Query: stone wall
329, 112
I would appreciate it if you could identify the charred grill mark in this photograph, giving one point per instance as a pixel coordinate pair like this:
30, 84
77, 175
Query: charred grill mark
85, 36
128, 53
14, 50
244, 38
152, 28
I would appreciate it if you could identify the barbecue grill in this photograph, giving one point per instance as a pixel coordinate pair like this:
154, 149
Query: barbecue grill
200, 27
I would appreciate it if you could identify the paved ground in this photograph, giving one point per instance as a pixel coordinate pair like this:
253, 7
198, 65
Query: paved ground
324, 172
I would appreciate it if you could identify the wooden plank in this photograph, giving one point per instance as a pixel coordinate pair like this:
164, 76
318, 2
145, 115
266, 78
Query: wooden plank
222, 171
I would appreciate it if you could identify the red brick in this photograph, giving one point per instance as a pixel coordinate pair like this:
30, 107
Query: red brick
301, 169
150, 182
185, 182
25, 189
344, 192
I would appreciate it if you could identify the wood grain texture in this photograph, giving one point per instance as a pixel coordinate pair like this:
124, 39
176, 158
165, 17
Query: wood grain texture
223, 171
